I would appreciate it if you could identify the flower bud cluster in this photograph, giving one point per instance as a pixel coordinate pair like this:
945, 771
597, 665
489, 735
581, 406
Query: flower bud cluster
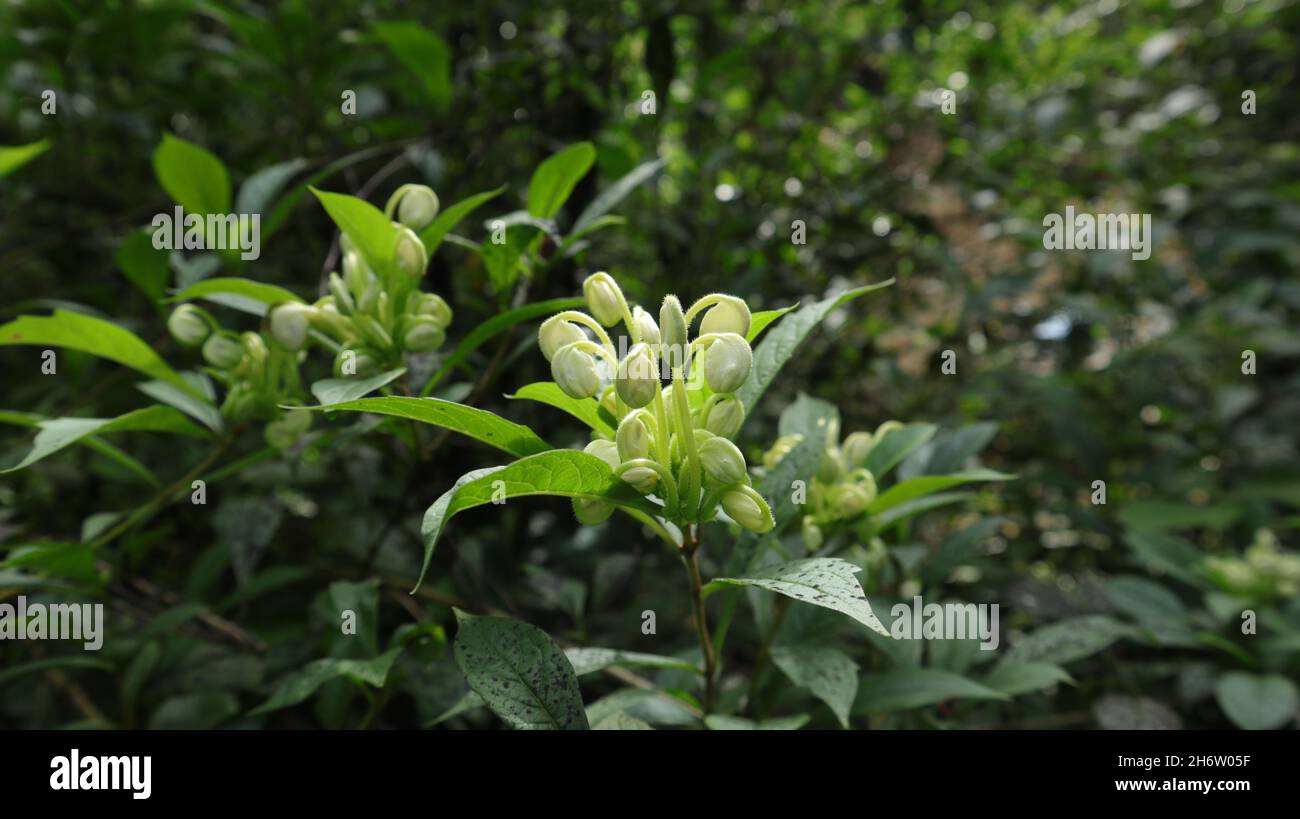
842, 488
674, 440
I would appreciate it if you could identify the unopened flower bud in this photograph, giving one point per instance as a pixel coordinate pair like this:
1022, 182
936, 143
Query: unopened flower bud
672, 329
646, 327
410, 255
829, 469
575, 372
884, 429
418, 207
590, 511
555, 333
609, 402
222, 351
355, 273
606, 450
638, 377
642, 478
850, 500
780, 449
722, 415
187, 325
722, 461
289, 325
730, 315
240, 403
604, 298
727, 363
435, 307
634, 439
812, 535
856, 448
748, 508
355, 362
423, 334
343, 301
865, 481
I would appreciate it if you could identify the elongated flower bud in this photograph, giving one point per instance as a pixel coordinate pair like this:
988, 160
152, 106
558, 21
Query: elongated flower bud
222, 351
575, 372
423, 334
555, 333
722, 461
604, 298
856, 448
609, 403
672, 329
240, 403
829, 469
410, 255
435, 307
289, 325
343, 300
355, 273
638, 377
604, 449
850, 500
634, 439
590, 511
187, 325
748, 508
642, 478
418, 207
730, 315
722, 415
646, 328
727, 363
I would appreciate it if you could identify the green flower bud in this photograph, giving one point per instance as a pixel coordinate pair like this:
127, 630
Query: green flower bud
727, 363
555, 333
722, 415
343, 300
418, 207
722, 461
638, 377
634, 438
289, 325
812, 535
240, 403
856, 448
606, 450
359, 362
575, 372
672, 328
609, 402
423, 334
590, 512
884, 429
435, 307
850, 500
283, 432
646, 327
780, 449
748, 508
731, 315
356, 275
604, 298
642, 478
409, 254
222, 351
829, 469
865, 481
188, 326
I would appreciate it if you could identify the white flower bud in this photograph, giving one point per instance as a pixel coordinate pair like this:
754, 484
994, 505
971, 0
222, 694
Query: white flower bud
672, 329
289, 325
634, 439
604, 298
722, 415
642, 478
745, 506
410, 255
638, 377
604, 449
418, 207
575, 372
222, 351
856, 448
812, 535
356, 275
423, 334
187, 325
590, 511
723, 461
727, 363
555, 333
731, 315
646, 327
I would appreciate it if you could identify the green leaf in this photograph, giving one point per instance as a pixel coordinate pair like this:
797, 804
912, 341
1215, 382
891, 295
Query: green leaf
77, 331
915, 507
1257, 702
199, 711
759, 321
503, 260
59, 433
555, 178
959, 548
586, 410
1169, 554
481, 425
588, 660
823, 581
573, 244
1146, 601
192, 176
13, 157
520, 673
200, 409
722, 722
895, 446
11, 672
1021, 678
951, 452
27, 419
369, 229
1069, 640
146, 267
495, 326
423, 53
906, 688
1159, 515
301, 684
622, 721
260, 190
611, 196
256, 296
830, 674
341, 390
563, 472
780, 344
433, 235
929, 484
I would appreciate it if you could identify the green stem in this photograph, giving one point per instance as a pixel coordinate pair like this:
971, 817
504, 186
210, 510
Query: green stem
691, 557
691, 489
